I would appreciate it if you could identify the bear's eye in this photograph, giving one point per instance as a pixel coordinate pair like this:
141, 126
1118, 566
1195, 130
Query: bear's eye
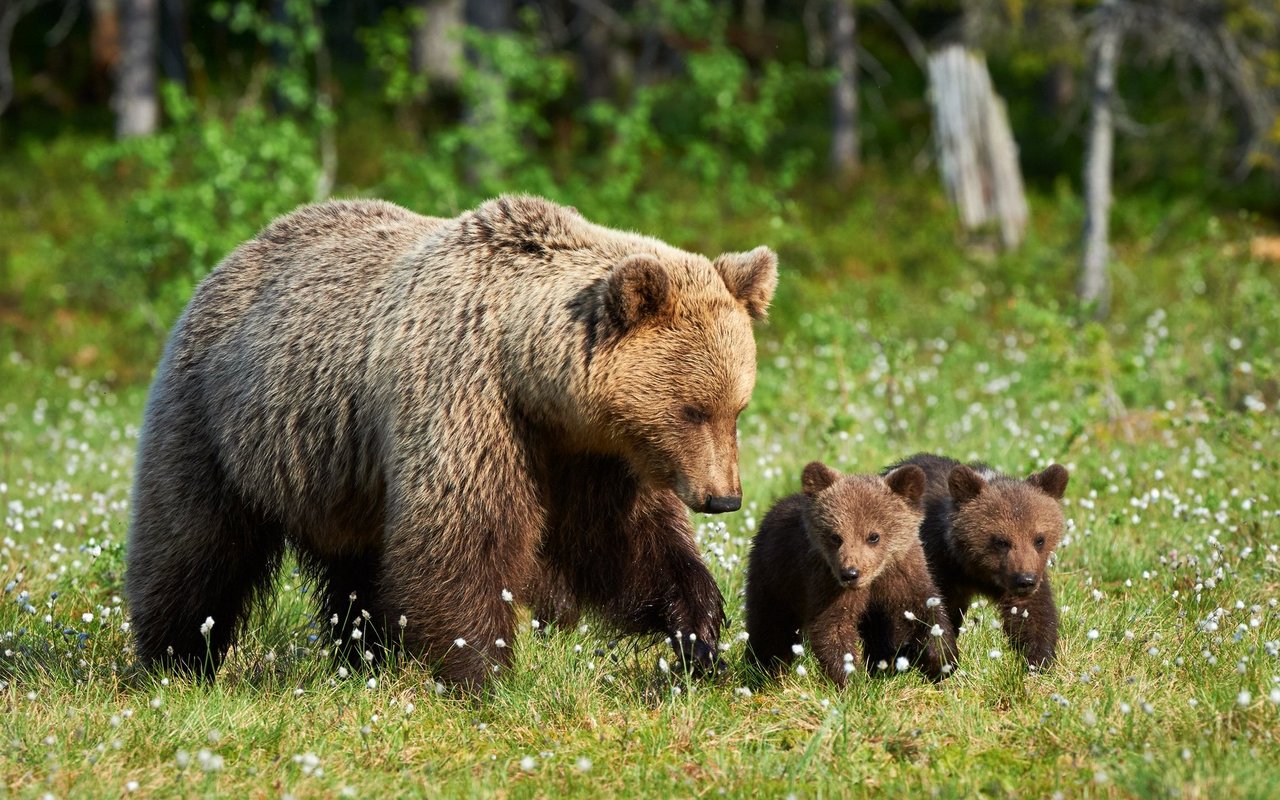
873, 538
1000, 543
835, 540
695, 415
1040, 542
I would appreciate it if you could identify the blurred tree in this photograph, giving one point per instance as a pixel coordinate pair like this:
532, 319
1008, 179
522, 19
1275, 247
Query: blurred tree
601, 55
136, 105
104, 40
437, 44
10, 12
977, 154
173, 40
845, 150
1094, 284
489, 94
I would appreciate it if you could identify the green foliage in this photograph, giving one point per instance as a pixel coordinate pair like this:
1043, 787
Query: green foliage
204, 184
389, 48
295, 39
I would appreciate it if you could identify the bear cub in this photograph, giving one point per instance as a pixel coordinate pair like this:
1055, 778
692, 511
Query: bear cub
842, 559
990, 534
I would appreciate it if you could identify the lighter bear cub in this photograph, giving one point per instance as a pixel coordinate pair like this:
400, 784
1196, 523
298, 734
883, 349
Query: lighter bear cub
842, 561
438, 415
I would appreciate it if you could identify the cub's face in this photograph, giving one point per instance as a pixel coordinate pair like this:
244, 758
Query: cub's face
681, 368
862, 524
1006, 529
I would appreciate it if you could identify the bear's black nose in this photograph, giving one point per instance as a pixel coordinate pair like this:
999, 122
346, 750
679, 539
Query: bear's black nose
1024, 581
722, 503
848, 576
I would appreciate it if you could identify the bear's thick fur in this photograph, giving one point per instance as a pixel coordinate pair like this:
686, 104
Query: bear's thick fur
989, 534
842, 562
423, 408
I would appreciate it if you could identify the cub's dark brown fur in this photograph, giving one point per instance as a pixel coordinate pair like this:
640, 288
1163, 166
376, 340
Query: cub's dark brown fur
841, 558
990, 534
435, 412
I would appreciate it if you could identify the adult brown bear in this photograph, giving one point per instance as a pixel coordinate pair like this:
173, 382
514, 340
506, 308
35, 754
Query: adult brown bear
433, 413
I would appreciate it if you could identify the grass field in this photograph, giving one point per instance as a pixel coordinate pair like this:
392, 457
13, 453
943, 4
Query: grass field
884, 341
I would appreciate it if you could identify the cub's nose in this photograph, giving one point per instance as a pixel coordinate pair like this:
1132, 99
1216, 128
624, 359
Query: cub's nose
848, 577
719, 504
1024, 581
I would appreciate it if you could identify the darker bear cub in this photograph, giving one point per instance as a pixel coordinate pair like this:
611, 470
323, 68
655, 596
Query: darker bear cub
990, 534
838, 561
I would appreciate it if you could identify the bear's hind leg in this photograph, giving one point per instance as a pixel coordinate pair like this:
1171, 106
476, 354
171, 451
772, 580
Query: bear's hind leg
350, 612
194, 553
551, 597
772, 630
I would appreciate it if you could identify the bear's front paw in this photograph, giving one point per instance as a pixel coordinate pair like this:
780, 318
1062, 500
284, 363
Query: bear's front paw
701, 658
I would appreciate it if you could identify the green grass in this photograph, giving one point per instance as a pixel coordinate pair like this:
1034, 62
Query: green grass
885, 339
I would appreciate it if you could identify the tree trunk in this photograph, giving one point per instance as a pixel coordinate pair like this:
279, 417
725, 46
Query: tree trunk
484, 101
594, 56
437, 43
845, 158
753, 15
136, 106
977, 154
173, 37
1094, 285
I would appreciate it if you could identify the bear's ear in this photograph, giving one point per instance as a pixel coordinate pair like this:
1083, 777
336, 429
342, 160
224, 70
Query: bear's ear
817, 477
1052, 481
751, 278
964, 484
637, 289
908, 483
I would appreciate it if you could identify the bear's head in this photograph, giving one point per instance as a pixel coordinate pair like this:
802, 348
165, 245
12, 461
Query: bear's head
862, 524
1005, 529
677, 365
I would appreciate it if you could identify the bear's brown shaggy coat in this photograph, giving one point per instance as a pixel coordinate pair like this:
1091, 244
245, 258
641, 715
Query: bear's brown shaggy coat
423, 406
989, 534
840, 562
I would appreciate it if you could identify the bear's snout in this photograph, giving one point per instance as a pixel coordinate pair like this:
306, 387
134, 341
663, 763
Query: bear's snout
1024, 582
719, 504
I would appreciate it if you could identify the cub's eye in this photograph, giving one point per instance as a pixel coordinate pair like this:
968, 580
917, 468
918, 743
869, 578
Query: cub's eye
873, 538
835, 540
695, 415
1039, 542
1000, 543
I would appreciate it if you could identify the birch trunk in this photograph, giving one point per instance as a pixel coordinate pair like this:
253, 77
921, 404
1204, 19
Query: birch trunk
437, 43
1094, 285
977, 154
136, 106
845, 158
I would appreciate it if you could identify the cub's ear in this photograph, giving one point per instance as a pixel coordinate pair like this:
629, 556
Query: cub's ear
908, 483
751, 278
817, 476
638, 289
965, 484
1052, 481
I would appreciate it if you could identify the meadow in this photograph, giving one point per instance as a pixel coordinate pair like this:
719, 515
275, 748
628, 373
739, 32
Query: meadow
887, 337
